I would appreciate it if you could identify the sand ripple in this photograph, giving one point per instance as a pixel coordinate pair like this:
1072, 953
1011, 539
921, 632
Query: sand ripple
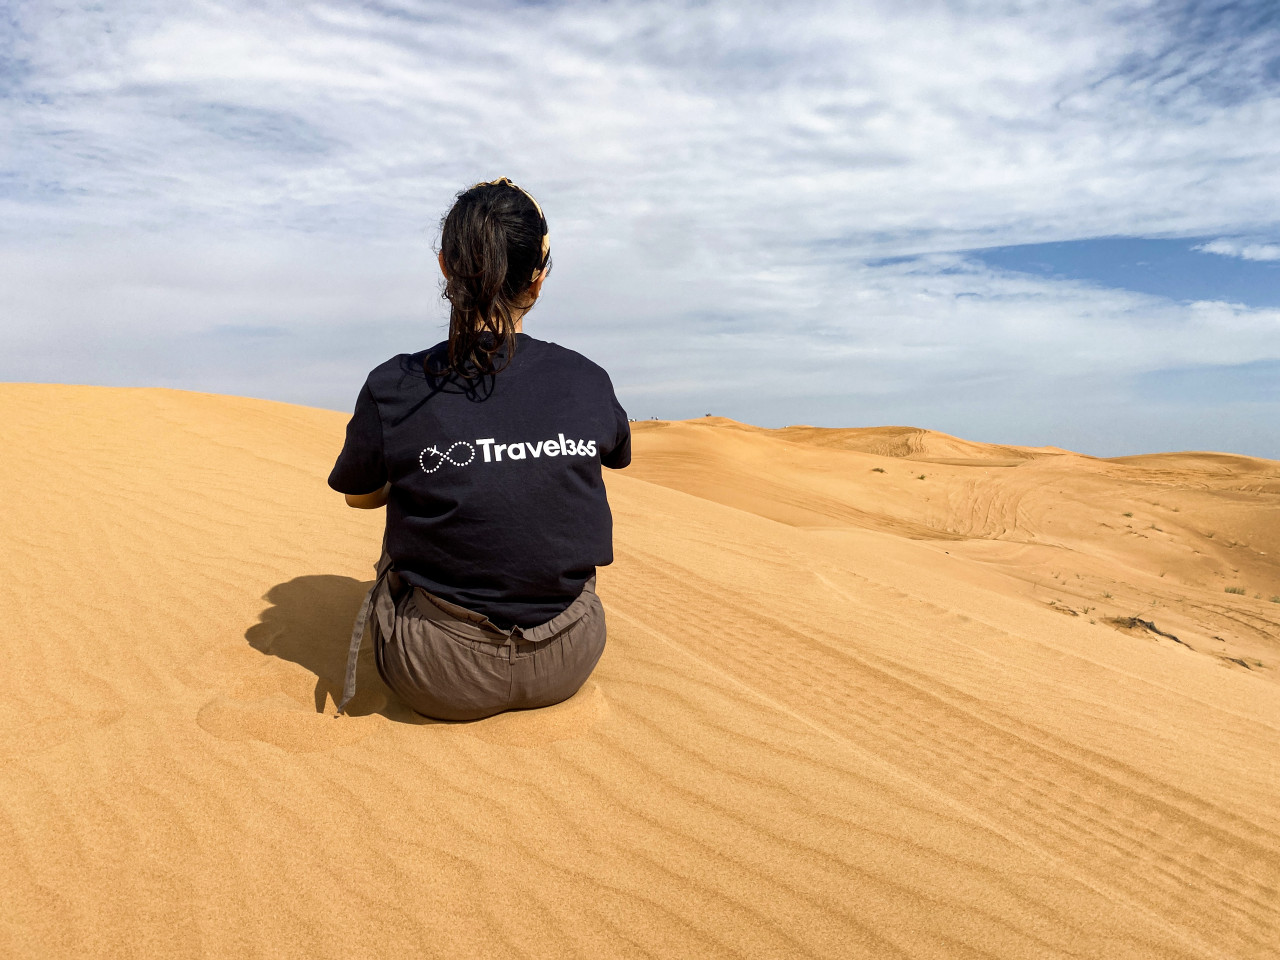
841, 713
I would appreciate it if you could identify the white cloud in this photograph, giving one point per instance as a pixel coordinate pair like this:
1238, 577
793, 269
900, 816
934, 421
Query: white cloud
718, 178
1245, 251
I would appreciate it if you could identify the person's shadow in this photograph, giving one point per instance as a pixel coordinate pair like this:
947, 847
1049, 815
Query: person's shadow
309, 623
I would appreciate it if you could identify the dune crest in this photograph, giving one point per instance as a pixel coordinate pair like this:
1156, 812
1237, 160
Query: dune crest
1161, 536
868, 693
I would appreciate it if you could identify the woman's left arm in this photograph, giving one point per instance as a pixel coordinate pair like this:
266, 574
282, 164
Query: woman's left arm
369, 501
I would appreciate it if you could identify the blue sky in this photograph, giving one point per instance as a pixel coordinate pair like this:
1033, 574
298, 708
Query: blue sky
1016, 221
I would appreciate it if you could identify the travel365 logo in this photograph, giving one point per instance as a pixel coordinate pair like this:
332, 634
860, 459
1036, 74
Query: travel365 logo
460, 453
432, 459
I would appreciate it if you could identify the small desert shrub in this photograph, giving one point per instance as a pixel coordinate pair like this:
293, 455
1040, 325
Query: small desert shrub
1275, 599
1235, 590
1127, 513
1106, 594
877, 469
921, 477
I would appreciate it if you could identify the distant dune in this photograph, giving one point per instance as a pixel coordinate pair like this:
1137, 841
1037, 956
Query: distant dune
869, 693
1160, 535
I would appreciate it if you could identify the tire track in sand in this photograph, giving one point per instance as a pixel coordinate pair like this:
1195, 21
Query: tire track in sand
1121, 833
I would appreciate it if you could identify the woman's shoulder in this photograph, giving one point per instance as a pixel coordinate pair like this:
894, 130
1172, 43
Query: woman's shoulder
410, 370
391, 375
566, 357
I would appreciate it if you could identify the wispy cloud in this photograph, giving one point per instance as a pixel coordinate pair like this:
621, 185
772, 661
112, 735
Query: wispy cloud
727, 185
1245, 251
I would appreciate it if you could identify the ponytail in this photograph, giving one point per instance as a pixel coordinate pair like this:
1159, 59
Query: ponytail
493, 244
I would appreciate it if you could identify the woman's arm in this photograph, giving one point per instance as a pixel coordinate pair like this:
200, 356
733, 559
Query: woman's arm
369, 501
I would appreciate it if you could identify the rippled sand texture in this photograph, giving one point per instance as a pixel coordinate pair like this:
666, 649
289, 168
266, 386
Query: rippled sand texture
843, 713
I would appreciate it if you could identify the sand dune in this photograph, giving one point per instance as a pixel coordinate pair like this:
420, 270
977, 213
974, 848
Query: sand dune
1006, 710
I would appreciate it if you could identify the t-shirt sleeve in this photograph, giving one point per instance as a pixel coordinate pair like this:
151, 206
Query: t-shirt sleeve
619, 455
361, 468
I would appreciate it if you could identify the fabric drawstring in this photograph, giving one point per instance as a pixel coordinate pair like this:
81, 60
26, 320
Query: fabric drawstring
362, 619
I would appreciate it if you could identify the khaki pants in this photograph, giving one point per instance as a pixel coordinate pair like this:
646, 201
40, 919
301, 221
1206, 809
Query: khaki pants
450, 663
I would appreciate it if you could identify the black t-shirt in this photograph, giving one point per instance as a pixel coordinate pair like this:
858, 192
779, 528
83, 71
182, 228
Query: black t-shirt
497, 501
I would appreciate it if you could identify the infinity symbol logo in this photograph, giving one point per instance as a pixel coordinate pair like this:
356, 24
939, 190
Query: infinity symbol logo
447, 457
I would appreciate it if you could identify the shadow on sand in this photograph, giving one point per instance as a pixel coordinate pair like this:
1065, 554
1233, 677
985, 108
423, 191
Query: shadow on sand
309, 623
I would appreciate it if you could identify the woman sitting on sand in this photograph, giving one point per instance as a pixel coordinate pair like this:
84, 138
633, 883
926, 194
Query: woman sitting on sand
486, 450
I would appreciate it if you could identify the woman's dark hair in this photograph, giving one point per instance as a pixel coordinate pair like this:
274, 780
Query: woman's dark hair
493, 242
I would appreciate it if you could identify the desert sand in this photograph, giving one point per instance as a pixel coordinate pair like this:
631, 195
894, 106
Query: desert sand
868, 693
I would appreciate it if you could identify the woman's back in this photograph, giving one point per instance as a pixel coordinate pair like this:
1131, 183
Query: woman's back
496, 500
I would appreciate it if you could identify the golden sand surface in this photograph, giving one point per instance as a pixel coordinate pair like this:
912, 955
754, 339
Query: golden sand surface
867, 693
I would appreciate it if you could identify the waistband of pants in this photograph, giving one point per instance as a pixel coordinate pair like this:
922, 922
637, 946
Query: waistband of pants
492, 633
